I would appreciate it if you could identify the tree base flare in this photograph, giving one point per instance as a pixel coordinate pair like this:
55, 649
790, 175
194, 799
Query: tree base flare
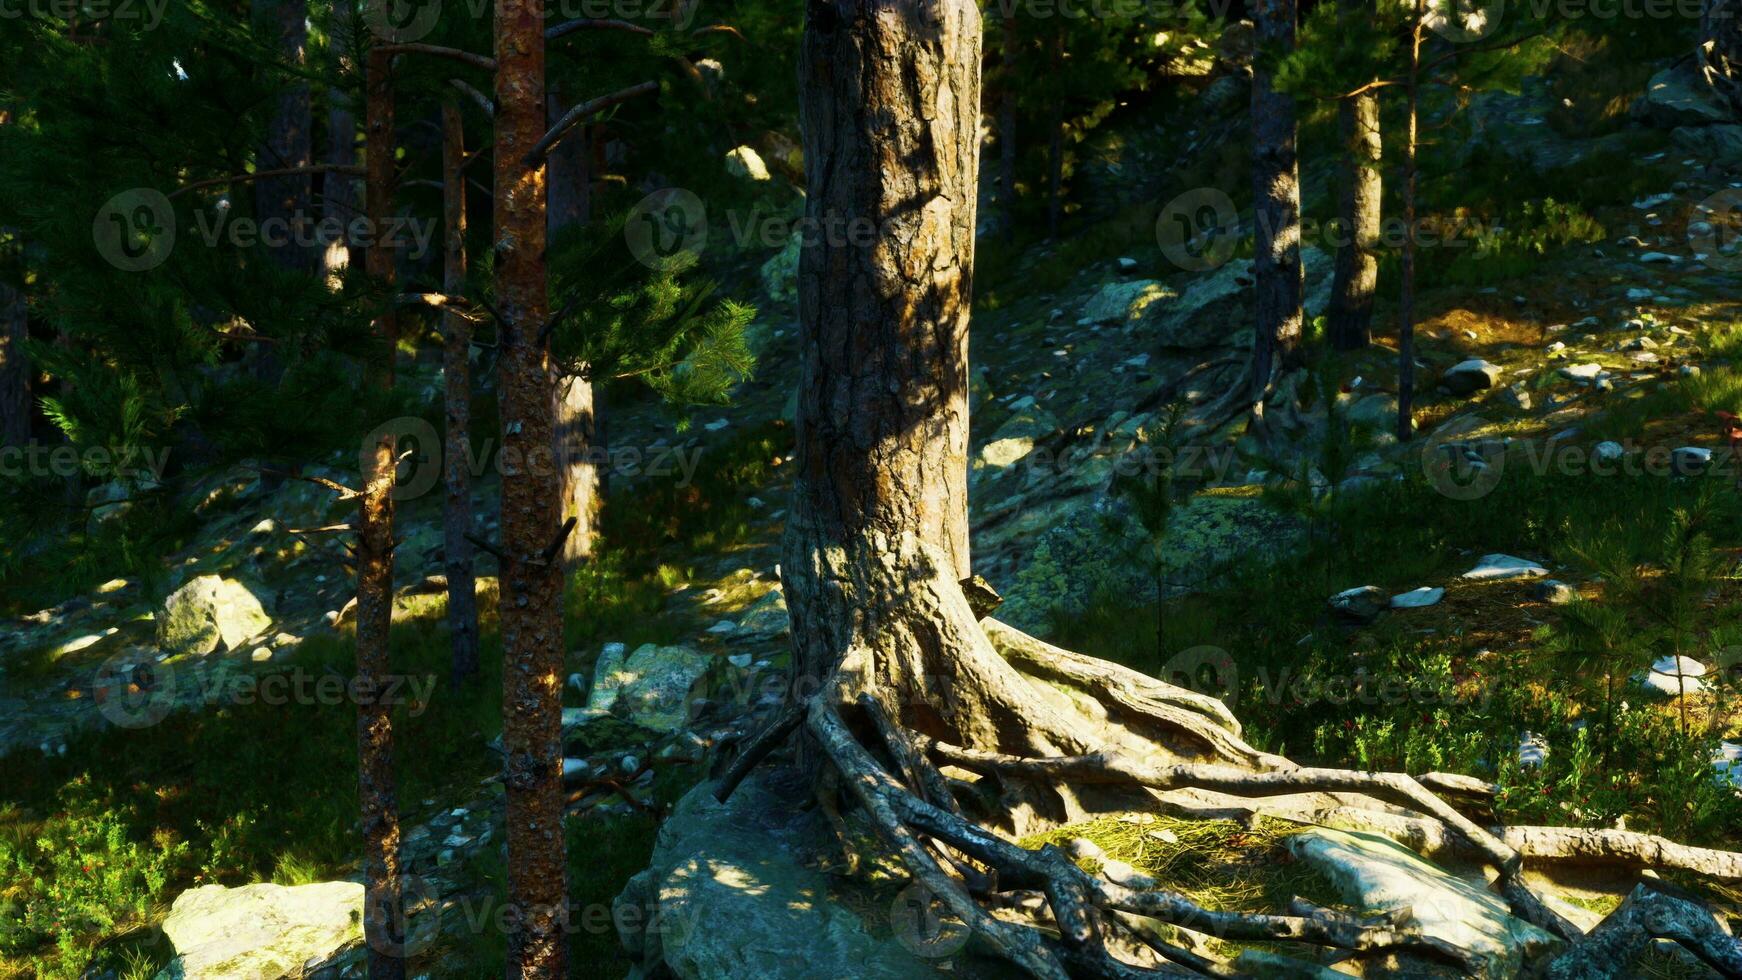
1041, 736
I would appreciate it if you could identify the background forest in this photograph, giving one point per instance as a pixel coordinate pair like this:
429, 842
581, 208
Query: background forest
1374, 368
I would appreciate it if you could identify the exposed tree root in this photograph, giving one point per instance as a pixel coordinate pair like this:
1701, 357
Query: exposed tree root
1652, 911
931, 701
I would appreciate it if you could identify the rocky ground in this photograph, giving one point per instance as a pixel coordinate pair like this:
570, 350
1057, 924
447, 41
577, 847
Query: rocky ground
1065, 407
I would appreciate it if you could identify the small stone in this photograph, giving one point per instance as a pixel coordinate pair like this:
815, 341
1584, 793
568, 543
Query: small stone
261, 655
739, 660
1690, 460
1498, 567
744, 162
1361, 604
1554, 592
1689, 370
1084, 849
1127, 265
1608, 451
1582, 373
1471, 376
1418, 598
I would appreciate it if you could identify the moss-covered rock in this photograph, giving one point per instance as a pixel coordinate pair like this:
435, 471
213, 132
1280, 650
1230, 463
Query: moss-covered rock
207, 613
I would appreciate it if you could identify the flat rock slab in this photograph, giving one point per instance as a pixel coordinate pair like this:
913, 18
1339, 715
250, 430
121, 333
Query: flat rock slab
1494, 568
737, 889
261, 932
1375, 873
1418, 598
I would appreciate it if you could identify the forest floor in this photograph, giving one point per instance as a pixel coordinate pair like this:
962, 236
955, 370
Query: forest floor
1235, 575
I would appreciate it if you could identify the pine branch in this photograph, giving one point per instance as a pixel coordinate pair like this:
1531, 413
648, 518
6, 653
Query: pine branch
580, 112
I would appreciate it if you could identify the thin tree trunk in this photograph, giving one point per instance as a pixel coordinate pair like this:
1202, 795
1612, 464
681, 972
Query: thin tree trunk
1055, 205
531, 606
1359, 204
457, 378
340, 200
284, 23
14, 368
1007, 124
1406, 302
889, 110
383, 914
577, 404
1276, 206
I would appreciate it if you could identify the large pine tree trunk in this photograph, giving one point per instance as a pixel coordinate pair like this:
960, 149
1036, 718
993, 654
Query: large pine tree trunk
531, 605
284, 24
14, 369
383, 914
577, 403
457, 398
1276, 204
1358, 211
877, 539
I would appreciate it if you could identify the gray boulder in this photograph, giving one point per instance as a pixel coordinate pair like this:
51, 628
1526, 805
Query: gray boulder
207, 613
737, 889
1678, 96
652, 687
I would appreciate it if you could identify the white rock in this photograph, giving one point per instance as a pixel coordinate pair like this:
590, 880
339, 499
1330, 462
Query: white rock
1418, 598
739, 660
1670, 685
1468, 377
1497, 567
1690, 460
261, 655
1532, 749
1374, 873
723, 627
746, 163
1683, 666
208, 612
261, 931
1609, 451
1583, 373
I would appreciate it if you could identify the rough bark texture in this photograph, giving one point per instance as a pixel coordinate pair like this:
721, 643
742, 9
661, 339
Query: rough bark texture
383, 916
1055, 201
339, 197
1652, 911
1276, 207
531, 605
889, 109
14, 369
284, 25
1721, 49
578, 425
457, 398
1358, 211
